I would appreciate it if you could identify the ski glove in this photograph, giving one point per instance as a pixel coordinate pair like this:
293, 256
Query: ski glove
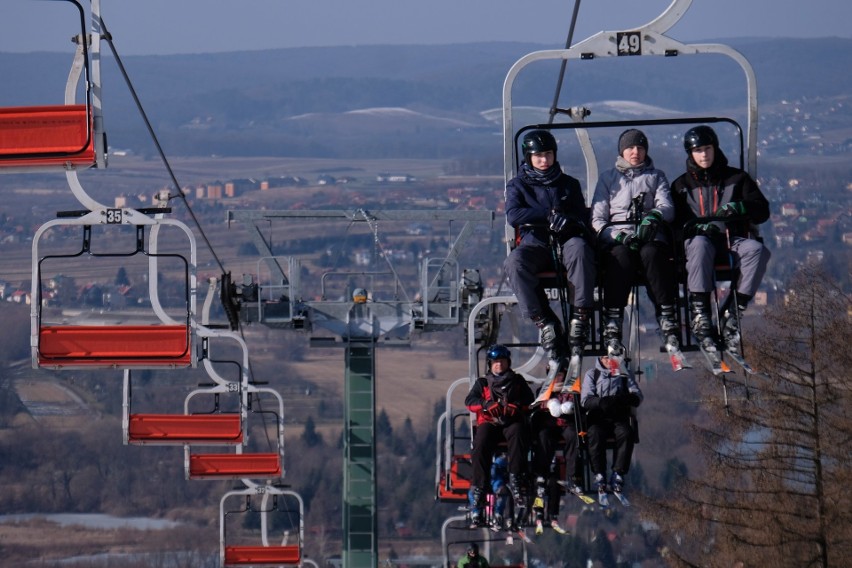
563, 225
633, 399
608, 403
494, 409
731, 209
511, 410
647, 229
628, 239
707, 229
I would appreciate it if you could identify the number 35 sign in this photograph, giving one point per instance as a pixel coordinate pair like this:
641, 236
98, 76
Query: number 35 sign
629, 43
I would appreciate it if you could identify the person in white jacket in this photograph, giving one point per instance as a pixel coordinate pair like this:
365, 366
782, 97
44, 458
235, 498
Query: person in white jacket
608, 400
632, 201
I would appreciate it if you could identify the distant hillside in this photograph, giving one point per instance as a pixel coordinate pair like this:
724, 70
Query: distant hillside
302, 102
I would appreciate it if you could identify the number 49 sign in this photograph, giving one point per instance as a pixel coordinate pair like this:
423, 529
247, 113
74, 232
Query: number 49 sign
629, 43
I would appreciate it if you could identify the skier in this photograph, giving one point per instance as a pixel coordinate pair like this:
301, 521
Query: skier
501, 400
552, 427
634, 190
472, 559
712, 188
542, 201
608, 399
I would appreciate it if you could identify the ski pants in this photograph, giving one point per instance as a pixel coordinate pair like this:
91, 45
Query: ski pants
526, 262
598, 432
488, 435
548, 436
622, 266
749, 257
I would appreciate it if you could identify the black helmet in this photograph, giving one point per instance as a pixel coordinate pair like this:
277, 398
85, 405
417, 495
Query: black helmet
536, 142
473, 549
497, 352
699, 136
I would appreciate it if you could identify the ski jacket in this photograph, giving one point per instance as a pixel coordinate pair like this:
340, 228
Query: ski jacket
529, 202
616, 191
606, 395
510, 388
701, 192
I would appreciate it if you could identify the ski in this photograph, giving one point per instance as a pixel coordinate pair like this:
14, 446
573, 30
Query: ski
574, 367
603, 499
677, 358
556, 528
714, 361
739, 360
522, 534
572, 489
554, 366
622, 498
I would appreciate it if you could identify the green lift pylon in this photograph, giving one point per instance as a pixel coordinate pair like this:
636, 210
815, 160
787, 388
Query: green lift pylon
360, 526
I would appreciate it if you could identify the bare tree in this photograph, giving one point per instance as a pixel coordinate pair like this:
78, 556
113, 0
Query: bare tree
774, 487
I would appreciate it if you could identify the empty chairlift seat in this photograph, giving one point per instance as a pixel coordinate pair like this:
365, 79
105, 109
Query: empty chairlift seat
178, 429
234, 466
44, 136
140, 346
257, 555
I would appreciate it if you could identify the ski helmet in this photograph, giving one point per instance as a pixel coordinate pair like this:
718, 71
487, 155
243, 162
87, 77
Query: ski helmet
699, 136
473, 549
497, 352
536, 142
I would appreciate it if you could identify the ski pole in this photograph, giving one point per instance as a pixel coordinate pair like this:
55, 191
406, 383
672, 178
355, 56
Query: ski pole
733, 298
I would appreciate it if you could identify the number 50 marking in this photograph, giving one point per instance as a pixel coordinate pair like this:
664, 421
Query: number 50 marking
629, 43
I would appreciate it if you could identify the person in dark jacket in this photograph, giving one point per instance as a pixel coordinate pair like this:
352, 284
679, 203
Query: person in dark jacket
608, 399
542, 201
500, 400
553, 427
712, 188
632, 202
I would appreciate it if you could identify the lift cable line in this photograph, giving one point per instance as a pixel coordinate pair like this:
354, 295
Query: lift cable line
108, 37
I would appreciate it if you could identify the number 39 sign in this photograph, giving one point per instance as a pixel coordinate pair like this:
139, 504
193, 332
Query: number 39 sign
629, 43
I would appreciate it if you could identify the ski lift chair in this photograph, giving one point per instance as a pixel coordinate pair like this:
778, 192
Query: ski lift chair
453, 466
243, 463
166, 341
60, 137
247, 548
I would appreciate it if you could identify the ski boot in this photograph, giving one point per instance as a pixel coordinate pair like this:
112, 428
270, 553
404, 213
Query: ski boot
614, 318
668, 326
517, 487
579, 330
497, 523
600, 484
550, 333
616, 482
702, 321
538, 504
670, 330
731, 324
477, 505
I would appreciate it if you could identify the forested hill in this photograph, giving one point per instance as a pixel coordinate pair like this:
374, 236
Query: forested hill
292, 101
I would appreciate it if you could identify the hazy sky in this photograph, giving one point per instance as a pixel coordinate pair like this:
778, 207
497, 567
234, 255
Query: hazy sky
196, 26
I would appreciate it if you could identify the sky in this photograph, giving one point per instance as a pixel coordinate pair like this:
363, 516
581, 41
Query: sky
159, 27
